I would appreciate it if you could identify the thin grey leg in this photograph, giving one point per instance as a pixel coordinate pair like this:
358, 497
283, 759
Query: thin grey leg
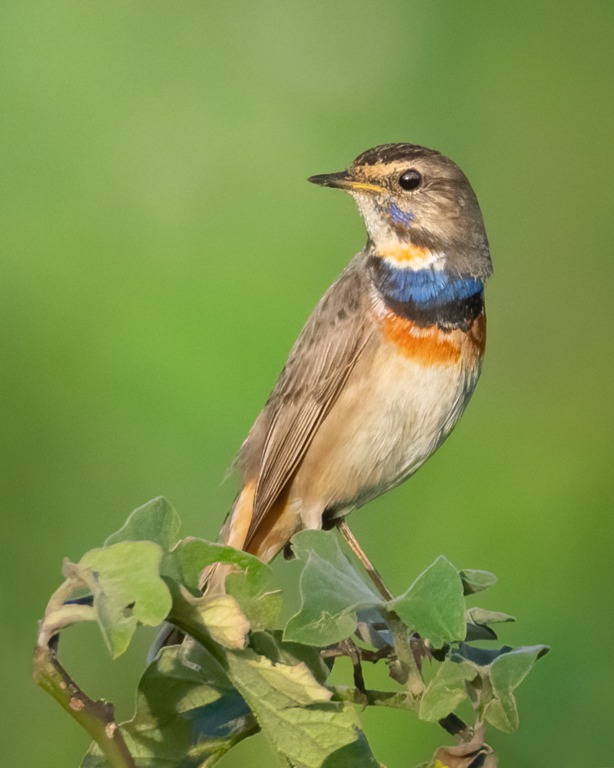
367, 564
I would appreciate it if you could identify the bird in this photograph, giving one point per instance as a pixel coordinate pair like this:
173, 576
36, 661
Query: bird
386, 363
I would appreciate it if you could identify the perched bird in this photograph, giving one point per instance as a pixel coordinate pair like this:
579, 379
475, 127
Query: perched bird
385, 365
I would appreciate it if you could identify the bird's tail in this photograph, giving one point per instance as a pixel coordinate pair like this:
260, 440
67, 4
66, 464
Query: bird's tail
234, 534
213, 578
280, 523
268, 538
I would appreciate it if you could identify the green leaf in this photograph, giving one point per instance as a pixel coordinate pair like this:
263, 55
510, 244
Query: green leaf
249, 586
485, 618
446, 690
125, 581
479, 621
188, 713
434, 606
506, 673
479, 632
481, 657
155, 521
272, 645
500, 672
476, 581
224, 621
296, 713
331, 592
191, 555
261, 609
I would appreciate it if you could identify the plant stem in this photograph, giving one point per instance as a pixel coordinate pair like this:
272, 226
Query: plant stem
409, 673
394, 700
96, 717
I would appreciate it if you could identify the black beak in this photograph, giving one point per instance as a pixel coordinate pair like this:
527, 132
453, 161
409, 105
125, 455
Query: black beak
344, 180
339, 180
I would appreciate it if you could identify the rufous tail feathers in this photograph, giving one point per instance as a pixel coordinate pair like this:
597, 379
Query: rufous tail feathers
265, 542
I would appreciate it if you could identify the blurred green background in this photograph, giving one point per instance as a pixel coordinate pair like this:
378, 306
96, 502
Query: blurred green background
161, 251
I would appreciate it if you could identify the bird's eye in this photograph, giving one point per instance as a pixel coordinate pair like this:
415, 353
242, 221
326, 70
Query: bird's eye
410, 180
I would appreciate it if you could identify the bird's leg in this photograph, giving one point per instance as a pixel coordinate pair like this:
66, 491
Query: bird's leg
352, 541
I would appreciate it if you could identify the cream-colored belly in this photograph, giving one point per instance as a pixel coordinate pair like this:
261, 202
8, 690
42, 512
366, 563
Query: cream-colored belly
392, 414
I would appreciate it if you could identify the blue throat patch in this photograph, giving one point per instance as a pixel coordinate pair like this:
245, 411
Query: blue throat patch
403, 218
425, 287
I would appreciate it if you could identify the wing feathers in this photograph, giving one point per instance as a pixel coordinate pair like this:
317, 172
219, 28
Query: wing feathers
318, 367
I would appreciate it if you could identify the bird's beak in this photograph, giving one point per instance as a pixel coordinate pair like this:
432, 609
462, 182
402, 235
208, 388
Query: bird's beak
343, 180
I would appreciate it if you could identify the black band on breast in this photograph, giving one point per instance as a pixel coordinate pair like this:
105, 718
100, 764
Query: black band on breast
449, 316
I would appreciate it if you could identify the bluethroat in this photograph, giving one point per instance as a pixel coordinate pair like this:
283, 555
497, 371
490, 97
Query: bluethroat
385, 365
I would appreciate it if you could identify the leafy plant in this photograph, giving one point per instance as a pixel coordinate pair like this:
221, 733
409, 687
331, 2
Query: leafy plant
239, 669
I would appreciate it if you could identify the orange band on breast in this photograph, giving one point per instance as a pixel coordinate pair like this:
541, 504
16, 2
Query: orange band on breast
433, 346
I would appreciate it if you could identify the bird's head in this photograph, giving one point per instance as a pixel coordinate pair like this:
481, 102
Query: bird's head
418, 204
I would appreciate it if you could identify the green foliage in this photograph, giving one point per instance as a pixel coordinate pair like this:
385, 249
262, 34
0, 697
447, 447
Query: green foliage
183, 692
236, 671
124, 595
297, 712
433, 606
155, 521
446, 691
331, 592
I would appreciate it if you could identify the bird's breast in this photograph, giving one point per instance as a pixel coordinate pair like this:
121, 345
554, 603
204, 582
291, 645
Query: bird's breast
401, 401
430, 344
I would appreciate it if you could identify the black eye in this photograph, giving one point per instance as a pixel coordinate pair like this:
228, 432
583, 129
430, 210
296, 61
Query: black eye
410, 180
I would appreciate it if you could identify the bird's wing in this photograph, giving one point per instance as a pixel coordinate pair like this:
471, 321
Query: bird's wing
314, 375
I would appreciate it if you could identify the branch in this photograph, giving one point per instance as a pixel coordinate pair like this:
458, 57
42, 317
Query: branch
399, 700
97, 717
407, 671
